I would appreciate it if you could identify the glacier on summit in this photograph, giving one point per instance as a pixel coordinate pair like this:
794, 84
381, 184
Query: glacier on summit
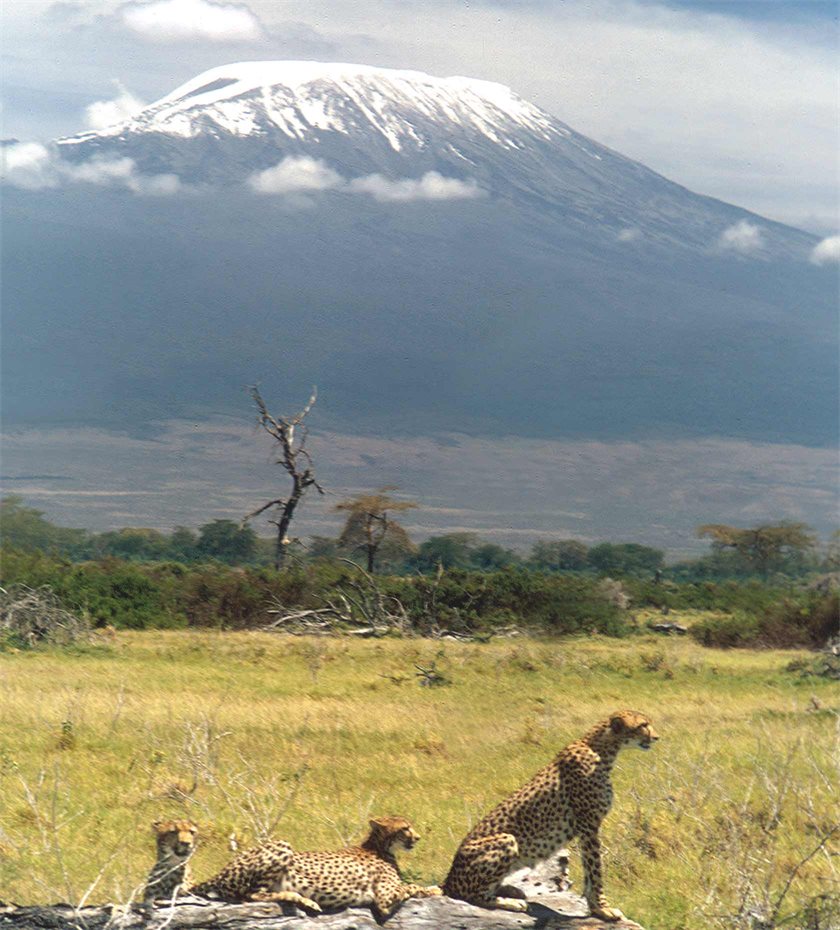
299, 97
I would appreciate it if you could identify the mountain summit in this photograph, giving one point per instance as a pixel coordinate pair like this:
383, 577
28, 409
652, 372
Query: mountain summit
236, 120
458, 260
303, 99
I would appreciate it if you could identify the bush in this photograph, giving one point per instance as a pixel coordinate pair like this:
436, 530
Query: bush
739, 629
463, 601
751, 596
141, 595
805, 622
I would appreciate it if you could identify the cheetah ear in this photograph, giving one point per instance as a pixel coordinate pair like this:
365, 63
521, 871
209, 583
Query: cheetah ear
616, 724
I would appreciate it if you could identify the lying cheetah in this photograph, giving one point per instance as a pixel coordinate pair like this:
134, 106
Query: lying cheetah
569, 797
171, 872
358, 875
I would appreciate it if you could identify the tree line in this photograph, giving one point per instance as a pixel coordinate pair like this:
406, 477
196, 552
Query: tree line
374, 538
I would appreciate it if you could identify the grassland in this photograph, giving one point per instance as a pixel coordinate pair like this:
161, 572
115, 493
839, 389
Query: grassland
255, 735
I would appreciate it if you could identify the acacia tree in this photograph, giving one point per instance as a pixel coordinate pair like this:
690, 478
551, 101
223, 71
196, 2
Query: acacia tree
368, 525
761, 547
293, 457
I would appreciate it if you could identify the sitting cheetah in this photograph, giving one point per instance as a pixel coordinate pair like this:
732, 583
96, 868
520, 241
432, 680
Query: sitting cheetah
569, 797
357, 875
171, 872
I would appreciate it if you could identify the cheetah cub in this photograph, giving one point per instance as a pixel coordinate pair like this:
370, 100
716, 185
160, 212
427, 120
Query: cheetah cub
569, 797
357, 875
171, 872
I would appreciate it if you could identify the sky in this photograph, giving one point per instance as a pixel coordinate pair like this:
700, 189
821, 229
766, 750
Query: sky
736, 99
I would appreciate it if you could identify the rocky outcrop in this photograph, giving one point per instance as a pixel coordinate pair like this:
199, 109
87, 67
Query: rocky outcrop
557, 911
548, 909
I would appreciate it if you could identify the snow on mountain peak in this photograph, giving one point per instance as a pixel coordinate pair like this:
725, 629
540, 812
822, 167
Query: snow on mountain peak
301, 97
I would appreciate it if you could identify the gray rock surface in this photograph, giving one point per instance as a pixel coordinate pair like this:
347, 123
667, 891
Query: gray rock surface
552, 911
549, 908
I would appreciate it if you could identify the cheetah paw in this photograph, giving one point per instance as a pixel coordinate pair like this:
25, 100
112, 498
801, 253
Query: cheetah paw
607, 913
510, 904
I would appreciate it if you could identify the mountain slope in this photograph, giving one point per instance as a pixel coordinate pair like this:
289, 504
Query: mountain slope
229, 122
580, 294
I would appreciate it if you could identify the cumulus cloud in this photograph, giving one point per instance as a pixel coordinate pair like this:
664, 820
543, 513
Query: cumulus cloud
180, 20
295, 175
105, 113
432, 186
743, 237
630, 234
28, 165
32, 166
826, 252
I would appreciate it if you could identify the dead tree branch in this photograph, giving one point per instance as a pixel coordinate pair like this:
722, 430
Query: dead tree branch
294, 458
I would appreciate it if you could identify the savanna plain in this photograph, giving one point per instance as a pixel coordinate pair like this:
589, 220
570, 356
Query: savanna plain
725, 823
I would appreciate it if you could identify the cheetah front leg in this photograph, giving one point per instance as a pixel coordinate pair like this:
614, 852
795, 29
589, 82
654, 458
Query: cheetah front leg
389, 893
593, 888
422, 891
287, 897
479, 868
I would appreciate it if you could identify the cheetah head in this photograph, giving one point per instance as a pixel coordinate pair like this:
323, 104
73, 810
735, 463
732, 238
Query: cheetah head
393, 832
633, 729
175, 838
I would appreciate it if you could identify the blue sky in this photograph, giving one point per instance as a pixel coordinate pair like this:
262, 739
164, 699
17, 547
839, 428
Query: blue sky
736, 98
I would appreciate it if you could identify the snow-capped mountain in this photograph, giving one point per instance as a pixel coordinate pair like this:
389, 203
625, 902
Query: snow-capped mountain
538, 284
233, 121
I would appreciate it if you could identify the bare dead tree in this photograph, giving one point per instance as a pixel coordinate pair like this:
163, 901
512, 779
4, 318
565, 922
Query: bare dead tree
293, 457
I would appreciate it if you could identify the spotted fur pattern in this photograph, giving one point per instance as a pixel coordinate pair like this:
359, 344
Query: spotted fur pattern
171, 872
356, 876
569, 797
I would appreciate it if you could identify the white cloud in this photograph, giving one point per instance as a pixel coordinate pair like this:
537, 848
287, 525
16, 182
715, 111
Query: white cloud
155, 185
179, 20
432, 186
296, 175
826, 252
630, 234
293, 175
743, 237
28, 165
32, 166
102, 171
105, 113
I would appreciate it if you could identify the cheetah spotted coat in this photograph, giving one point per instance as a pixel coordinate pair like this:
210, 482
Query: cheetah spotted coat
171, 872
355, 876
569, 797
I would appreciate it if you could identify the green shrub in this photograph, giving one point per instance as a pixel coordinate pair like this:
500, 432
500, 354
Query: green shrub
738, 629
141, 595
807, 621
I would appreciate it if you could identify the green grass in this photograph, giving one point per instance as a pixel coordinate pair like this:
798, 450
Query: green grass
304, 739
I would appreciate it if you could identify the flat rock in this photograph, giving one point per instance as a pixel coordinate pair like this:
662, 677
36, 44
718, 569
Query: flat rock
550, 911
549, 908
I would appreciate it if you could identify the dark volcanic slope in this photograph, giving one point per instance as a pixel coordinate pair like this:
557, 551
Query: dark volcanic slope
578, 294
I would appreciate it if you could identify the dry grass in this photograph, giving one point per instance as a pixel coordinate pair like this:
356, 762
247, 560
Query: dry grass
254, 735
